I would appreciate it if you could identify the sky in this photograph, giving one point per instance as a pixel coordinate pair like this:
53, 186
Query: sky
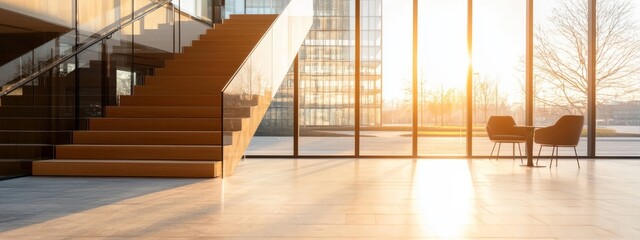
499, 43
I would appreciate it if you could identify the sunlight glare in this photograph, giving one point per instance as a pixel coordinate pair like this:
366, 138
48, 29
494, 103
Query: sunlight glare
444, 192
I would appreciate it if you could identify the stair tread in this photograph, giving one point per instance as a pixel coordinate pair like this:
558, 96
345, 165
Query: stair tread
177, 161
137, 146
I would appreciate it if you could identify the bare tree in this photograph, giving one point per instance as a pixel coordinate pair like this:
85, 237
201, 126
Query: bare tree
561, 54
484, 93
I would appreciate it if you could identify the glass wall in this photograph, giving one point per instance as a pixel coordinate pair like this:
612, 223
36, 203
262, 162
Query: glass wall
442, 77
618, 85
275, 133
560, 64
498, 82
385, 109
327, 81
499, 44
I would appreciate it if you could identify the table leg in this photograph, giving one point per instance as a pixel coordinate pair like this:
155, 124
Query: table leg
530, 148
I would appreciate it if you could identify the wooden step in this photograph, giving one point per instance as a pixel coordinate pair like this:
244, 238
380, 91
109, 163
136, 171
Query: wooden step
34, 136
253, 16
139, 152
129, 168
213, 55
148, 137
242, 50
233, 31
247, 25
26, 151
163, 112
38, 111
222, 63
164, 124
230, 34
199, 81
157, 90
36, 123
226, 41
171, 100
199, 71
155, 124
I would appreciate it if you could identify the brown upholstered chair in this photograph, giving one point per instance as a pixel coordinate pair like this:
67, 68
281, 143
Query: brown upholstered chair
501, 129
564, 133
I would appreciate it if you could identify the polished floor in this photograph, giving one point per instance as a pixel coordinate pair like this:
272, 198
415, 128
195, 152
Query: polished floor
337, 199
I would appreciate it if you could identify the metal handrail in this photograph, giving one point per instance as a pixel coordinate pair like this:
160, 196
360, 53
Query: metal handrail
78, 50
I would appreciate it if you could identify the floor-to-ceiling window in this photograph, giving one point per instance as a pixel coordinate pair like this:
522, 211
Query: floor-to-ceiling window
618, 78
560, 63
327, 81
499, 44
384, 98
442, 77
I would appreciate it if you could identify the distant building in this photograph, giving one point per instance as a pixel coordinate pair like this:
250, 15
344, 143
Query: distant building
327, 71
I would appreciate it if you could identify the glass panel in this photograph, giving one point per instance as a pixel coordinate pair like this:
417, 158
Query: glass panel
34, 117
327, 80
442, 77
200, 9
275, 133
618, 85
259, 78
560, 69
386, 77
499, 44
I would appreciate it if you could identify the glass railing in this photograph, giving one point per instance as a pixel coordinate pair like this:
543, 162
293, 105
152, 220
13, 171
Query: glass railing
259, 77
75, 82
254, 7
97, 18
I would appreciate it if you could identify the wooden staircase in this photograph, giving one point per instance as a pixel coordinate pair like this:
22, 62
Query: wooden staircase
171, 126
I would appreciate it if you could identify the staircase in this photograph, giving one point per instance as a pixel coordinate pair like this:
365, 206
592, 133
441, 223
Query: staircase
172, 125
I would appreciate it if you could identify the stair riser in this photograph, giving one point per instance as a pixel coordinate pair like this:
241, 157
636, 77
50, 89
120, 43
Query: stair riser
237, 31
243, 26
168, 91
18, 151
197, 71
203, 64
170, 100
147, 138
127, 169
213, 56
124, 124
226, 42
183, 81
241, 50
34, 137
137, 152
36, 123
163, 112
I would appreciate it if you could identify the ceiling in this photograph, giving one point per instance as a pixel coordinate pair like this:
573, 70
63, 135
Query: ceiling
12, 22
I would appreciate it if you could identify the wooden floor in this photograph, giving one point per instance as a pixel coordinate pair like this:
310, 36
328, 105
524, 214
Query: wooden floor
337, 199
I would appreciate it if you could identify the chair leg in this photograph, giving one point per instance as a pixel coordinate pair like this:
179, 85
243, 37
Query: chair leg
513, 151
539, 151
493, 148
498, 153
557, 155
553, 150
520, 150
577, 159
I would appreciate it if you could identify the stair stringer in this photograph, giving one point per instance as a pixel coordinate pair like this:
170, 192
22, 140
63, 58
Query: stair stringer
240, 140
